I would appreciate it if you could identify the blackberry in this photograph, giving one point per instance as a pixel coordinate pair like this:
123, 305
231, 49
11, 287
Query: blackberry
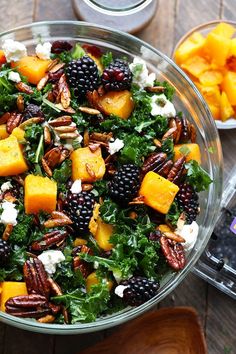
187, 199
82, 75
117, 76
79, 207
32, 110
125, 184
4, 252
139, 290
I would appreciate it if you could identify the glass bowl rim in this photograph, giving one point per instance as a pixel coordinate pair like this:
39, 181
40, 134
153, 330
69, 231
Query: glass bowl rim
114, 320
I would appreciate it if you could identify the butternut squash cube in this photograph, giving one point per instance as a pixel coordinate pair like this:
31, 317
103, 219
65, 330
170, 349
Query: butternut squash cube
224, 29
119, 103
211, 94
40, 194
229, 86
158, 192
218, 48
79, 242
193, 152
215, 111
226, 110
32, 67
12, 161
232, 49
11, 289
196, 65
19, 134
87, 166
211, 78
190, 47
103, 234
3, 131
92, 279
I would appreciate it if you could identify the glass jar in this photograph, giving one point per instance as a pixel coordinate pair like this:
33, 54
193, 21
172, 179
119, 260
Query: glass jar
126, 15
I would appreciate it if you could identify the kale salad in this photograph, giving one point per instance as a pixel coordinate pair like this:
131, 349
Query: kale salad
99, 182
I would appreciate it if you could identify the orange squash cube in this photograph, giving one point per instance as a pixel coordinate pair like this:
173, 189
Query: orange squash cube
19, 134
10, 289
119, 103
224, 29
193, 152
3, 131
211, 78
217, 48
232, 49
215, 111
103, 234
40, 194
92, 279
158, 192
12, 161
190, 47
226, 110
196, 65
229, 86
87, 166
211, 94
32, 67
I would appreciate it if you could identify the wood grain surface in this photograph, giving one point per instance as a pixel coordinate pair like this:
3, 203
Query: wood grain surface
216, 310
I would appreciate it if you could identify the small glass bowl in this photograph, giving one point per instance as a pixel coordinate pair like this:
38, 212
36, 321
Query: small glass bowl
187, 99
204, 29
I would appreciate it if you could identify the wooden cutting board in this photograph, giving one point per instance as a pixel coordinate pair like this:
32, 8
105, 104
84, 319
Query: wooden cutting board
166, 331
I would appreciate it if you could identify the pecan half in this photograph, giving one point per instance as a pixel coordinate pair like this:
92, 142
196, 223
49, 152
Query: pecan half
64, 91
154, 162
20, 103
47, 136
33, 305
177, 170
30, 121
7, 232
80, 264
173, 252
36, 277
156, 89
4, 118
22, 87
13, 121
103, 137
56, 290
60, 121
165, 169
49, 239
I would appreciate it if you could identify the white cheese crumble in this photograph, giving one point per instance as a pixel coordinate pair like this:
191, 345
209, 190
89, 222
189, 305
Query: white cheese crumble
189, 233
6, 186
76, 187
50, 259
115, 146
13, 76
119, 290
9, 213
43, 51
13, 50
162, 106
141, 77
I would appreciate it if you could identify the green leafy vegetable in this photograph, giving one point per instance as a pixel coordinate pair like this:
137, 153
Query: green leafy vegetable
86, 307
197, 176
106, 59
173, 214
169, 90
62, 174
167, 146
109, 211
22, 231
13, 269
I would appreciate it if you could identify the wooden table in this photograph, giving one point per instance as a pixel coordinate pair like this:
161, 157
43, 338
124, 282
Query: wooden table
217, 311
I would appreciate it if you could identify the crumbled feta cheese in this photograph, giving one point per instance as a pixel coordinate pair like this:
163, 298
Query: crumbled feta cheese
140, 73
13, 50
76, 187
115, 146
162, 106
13, 76
9, 213
50, 259
119, 290
6, 186
95, 265
189, 233
43, 51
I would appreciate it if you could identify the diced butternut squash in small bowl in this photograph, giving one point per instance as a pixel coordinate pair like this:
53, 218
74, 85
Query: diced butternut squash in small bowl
208, 56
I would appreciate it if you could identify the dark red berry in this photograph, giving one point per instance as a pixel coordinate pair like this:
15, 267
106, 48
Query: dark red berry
60, 46
117, 76
187, 199
4, 252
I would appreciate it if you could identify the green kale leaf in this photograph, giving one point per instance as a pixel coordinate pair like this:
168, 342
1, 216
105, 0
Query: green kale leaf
62, 173
106, 59
13, 269
197, 176
21, 232
173, 214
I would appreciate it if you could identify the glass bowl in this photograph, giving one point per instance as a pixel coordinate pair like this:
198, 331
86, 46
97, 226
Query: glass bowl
187, 99
204, 29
